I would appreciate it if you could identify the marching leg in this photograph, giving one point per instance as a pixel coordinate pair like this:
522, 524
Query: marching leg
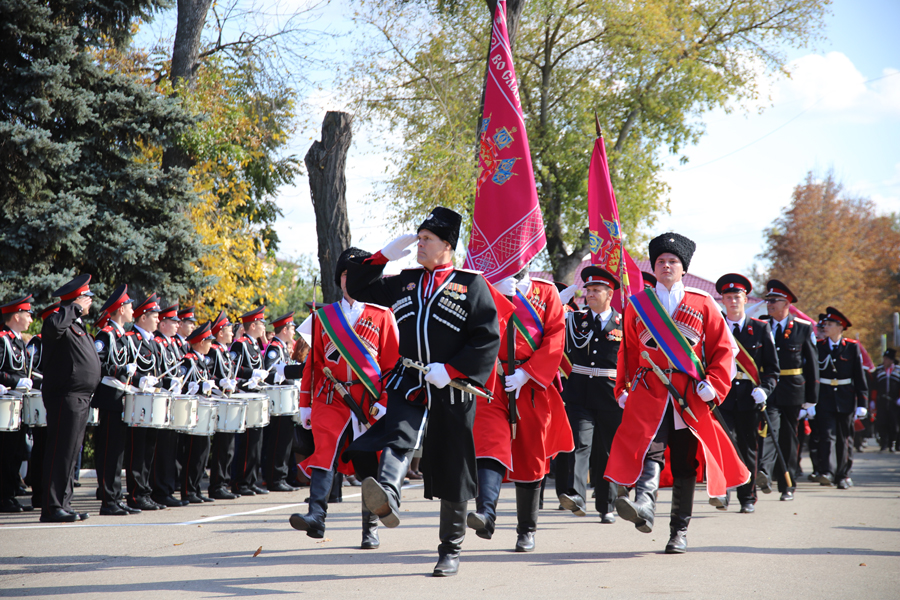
527, 497
682, 509
490, 477
382, 496
642, 510
452, 532
313, 523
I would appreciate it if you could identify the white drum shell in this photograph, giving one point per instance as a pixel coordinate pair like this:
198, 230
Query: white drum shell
231, 416
34, 414
184, 412
150, 410
257, 409
207, 411
10, 413
283, 399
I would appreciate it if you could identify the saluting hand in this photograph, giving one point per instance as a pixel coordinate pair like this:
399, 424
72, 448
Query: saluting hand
399, 248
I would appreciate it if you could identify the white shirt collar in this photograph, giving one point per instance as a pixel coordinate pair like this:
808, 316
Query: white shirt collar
352, 312
670, 299
143, 332
740, 323
604, 316
832, 343
782, 322
117, 327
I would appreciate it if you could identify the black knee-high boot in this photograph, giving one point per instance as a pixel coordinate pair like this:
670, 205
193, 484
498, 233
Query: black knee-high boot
528, 496
682, 509
490, 478
370, 539
313, 522
382, 496
452, 531
642, 510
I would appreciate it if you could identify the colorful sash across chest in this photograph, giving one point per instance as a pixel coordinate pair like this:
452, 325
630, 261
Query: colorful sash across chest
747, 364
668, 338
527, 321
351, 348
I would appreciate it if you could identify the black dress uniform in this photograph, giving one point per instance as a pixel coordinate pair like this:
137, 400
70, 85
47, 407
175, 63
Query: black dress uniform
279, 433
592, 346
221, 366
842, 389
246, 353
71, 374
444, 316
739, 409
13, 449
887, 392
35, 350
798, 384
164, 472
194, 449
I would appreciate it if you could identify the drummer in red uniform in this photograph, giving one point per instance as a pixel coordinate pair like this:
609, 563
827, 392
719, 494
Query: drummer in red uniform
656, 321
344, 334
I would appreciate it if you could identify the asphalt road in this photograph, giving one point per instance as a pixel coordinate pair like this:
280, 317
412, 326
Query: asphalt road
827, 543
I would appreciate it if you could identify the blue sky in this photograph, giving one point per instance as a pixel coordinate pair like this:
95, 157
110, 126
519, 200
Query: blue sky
834, 113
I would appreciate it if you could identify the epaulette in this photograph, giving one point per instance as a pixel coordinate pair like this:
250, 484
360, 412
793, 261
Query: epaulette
378, 307
472, 271
802, 321
852, 341
760, 320
240, 340
276, 341
132, 332
5, 333
107, 329
543, 281
191, 356
697, 291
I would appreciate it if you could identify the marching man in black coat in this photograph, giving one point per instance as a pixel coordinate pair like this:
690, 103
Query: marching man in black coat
757, 375
843, 395
448, 322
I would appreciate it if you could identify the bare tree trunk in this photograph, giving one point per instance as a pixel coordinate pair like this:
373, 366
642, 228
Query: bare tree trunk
325, 163
185, 53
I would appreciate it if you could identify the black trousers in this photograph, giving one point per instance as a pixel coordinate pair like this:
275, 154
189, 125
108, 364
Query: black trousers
783, 420
109, 452
66, 421
744, 424
164, 472
222, 455
193, 451
593, 431
682, 447
279, 438
36, 464
565, 474
248, 457
10, 461
835, 443
140, 445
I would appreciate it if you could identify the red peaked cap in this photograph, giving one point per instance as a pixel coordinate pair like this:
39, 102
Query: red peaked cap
733, 282
833, 314
257, 314
187, 314
75, 288
201, 333
53, 308
169, 312
594, 275
150, 304
22, 304
777, 289
219, 323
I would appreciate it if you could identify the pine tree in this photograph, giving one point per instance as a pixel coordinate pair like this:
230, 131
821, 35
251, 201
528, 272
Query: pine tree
77, 193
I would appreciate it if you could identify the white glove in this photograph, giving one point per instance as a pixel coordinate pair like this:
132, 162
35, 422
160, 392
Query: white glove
25, 384
380, 411
230, 386
507, 287
224, 383
259, 374
516, 381
130, 369
622, 400
207, 386
175, 385
810, 411
193, 388
758, 395
3, 390
706, 392
802, 415
306, 417
279, 372
567, 294
358, 428
861, 412
252, 383
400, 247
148, 382
437, 375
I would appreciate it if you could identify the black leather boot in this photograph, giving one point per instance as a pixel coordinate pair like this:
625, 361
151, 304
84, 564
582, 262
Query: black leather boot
382, 496
682, 509
313, 522
641, 511
452, 531
528, 495
370, 539
482, 520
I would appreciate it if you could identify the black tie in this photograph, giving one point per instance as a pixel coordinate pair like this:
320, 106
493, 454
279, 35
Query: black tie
737, 330
778, 332
598, 323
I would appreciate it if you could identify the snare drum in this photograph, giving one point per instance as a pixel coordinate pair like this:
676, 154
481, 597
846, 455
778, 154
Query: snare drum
33, 412
149, 410
206, 417
283, 399
184, 412
257, 409
10, 413
93, 417
231, 416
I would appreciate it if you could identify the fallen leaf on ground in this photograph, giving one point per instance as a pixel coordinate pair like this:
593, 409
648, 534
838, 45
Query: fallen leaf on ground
258, 550
178, 544
862, 564
323, 540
